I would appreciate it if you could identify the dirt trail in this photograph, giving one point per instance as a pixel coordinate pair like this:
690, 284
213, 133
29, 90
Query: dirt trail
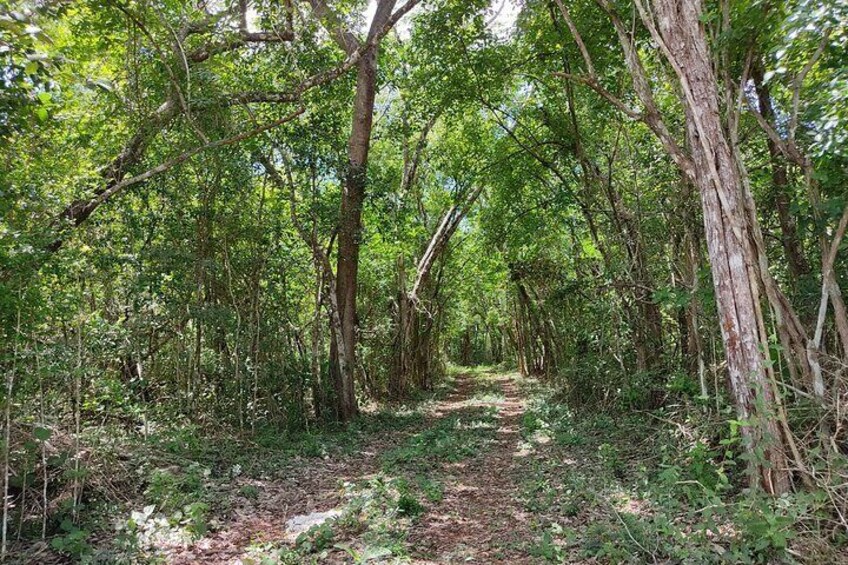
479, 520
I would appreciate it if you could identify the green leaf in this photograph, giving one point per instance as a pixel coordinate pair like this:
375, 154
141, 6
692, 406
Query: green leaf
42, 434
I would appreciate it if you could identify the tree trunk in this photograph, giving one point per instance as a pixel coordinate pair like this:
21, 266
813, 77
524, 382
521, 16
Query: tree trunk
402, 350
415, 345
646, 320
319, 399
798, 265
732, 254
692, 261
647, 324
350, 214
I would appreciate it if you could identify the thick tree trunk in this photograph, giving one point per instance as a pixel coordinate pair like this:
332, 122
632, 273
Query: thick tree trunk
347, 271
350, 229
732, 254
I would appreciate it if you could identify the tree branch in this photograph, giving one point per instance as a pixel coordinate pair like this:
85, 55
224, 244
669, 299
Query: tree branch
651, 116
799, 82
117, 187
335, 26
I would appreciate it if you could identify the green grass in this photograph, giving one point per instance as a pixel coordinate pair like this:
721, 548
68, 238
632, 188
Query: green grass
185, 476
452, 439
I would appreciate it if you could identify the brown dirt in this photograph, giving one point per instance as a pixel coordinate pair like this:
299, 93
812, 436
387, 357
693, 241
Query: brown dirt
479, 520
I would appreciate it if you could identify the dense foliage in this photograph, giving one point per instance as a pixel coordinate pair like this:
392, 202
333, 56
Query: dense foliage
257, 219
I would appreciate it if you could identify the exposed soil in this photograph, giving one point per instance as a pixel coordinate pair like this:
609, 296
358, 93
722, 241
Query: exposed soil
480, 518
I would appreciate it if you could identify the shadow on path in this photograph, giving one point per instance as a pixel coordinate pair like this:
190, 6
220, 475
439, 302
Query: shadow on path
481, 518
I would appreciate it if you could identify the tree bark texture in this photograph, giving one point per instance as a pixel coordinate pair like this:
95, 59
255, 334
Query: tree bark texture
732, 254
350, 214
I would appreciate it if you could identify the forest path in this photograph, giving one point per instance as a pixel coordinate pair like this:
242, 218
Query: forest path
481, 517
455, 474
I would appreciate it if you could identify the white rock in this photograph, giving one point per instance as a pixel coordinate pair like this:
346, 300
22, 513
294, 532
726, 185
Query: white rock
299, 524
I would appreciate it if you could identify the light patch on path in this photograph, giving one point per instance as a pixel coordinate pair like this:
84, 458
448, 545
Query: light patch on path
299, 524
481, 518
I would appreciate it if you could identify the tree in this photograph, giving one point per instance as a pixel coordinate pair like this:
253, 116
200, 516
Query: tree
729, 222
355, 183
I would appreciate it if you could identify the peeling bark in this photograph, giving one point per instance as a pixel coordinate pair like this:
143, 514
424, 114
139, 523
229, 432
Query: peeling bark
733, 258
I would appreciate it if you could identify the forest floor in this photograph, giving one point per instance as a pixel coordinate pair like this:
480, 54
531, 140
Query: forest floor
445, 486
491, 468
